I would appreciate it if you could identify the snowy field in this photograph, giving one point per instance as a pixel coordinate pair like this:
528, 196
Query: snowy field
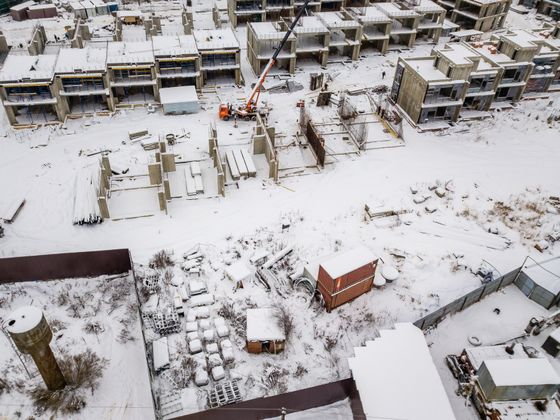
494, 175
99, 314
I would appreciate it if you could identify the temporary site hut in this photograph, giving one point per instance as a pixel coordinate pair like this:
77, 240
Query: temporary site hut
264, 333
179, 100
343, 276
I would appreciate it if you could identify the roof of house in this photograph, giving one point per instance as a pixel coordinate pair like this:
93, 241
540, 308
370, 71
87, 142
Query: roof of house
33, 67
334, 20
263, 325
310, 24
215, 39
546, 274
370, 14
426, 69
520, 372
130, 52
178, 94
477, 355
347, 261
268, 31
397, 379
174, 45
86, 59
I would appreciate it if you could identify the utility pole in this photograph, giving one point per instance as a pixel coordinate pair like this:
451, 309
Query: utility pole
284, 412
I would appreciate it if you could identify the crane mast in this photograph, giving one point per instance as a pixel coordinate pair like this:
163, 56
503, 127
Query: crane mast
254, 97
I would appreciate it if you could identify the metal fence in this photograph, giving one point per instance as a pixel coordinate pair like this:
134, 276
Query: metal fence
467, 300
63, 266
304, 399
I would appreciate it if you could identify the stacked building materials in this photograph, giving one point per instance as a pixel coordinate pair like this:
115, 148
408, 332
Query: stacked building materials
86, 209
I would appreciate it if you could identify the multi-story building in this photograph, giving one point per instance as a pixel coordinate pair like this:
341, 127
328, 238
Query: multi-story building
376, 27
481, 15
262, 39
177, 61
219, 53
81, 82
241, 11
425, 93
345, 33
503, 69
312, 39
459, 61
132, 73
404, 23
27, 91
525, 46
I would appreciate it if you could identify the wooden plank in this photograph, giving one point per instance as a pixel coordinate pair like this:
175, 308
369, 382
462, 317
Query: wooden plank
13, 209
189, 180
195, 169
232, 165
251, 170
240, 163
198, 184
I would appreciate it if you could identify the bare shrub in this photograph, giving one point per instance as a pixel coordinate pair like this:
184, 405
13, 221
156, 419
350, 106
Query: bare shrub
300, 371
57, 325
284, 319
274, 379
162, 259
82, 373
236, 317
168, 276
93, 327
330, 343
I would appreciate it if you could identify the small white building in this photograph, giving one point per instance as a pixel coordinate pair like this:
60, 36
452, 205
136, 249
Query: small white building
238, 272
179, 100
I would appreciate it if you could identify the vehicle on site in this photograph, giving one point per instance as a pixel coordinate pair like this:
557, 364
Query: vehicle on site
250, 109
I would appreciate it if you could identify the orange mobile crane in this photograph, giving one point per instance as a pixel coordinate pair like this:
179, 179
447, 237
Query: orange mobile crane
249, 109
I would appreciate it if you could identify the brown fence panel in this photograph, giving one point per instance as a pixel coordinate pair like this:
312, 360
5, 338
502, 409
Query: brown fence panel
304, 399
68, 265
317, 143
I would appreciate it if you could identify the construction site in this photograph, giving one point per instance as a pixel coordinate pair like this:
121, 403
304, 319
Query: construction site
289, 209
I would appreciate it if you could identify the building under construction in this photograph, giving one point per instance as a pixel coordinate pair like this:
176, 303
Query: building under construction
475, 76
481, 15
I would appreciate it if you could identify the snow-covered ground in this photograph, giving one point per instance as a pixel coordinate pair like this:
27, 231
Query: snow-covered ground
498, 172
481, 320
100, 314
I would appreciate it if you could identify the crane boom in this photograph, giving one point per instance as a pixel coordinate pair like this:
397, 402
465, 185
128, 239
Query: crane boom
272, 61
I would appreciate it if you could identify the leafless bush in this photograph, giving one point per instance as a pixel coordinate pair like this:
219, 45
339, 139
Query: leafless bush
168, 276
274, 379
236, 317
93, 327
57, 325
63, 298
162, 259
284, 319
300, 371
330, 343
82, 373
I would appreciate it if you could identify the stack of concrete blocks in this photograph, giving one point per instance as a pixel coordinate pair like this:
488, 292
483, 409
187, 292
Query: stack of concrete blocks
263, 142
214, 151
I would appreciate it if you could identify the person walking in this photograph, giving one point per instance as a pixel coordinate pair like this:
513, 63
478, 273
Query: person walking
383, 75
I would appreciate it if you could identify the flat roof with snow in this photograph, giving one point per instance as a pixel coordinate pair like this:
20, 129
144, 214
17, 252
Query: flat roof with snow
334, 20
394, 11
130, 52
215, 39
86, 59
262, 325
477, 355
546, 274
345, 262
179, 94
426, 70
397, 379
174, 45
522, 372
268, 31
32, 67
311, 25
370, 14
